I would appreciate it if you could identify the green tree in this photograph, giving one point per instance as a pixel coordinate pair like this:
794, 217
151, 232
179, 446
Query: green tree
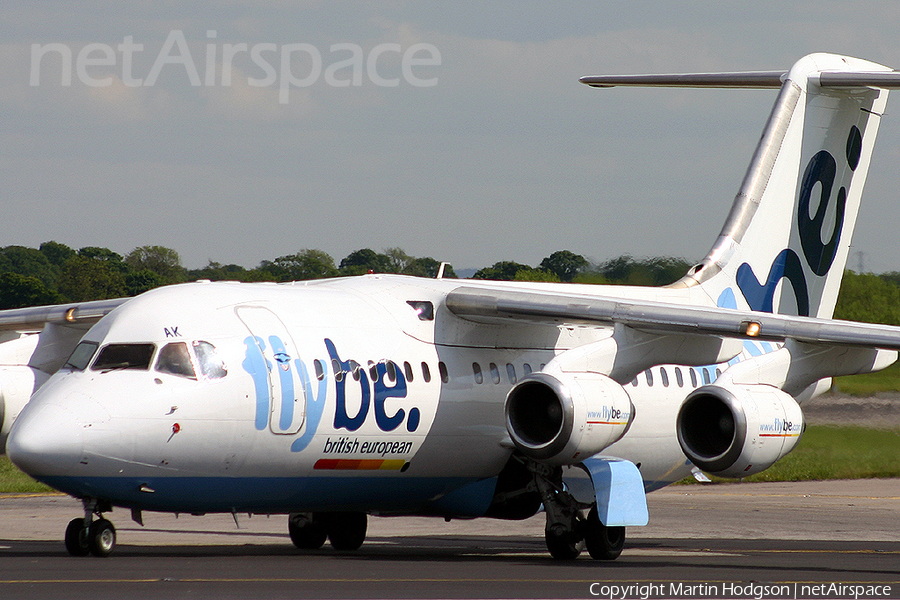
215, 271
501, 271
56, 253
163, 261
31, 263
138, 282
868, 298
85, 279
306, 264
365, 260
19, 291
565, 264
427, 267
536, 275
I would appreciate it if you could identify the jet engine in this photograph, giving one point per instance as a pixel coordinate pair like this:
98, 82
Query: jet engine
16, 386
564, 418
736, 431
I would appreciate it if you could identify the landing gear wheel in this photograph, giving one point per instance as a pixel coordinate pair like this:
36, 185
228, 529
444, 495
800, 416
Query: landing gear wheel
307, 531
603, 543
562, 543
346, 531
77, 538
101, 538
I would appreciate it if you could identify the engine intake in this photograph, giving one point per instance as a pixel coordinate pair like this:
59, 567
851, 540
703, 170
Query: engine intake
737, 431
16, 386
565, 418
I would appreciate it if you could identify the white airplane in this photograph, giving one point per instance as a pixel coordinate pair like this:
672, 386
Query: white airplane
336, 399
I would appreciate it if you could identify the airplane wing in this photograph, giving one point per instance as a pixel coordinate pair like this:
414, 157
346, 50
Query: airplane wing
33, 319
491, 305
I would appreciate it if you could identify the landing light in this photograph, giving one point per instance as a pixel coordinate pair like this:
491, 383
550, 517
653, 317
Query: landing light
751, 329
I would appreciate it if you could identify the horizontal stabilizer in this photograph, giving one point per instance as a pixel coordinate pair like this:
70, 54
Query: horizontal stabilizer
747, 79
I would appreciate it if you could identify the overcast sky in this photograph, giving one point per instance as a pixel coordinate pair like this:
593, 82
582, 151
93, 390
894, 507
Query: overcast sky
484, 148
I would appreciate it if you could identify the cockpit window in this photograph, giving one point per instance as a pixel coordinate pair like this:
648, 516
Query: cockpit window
211, 365
174, 358
124, 356
82, 356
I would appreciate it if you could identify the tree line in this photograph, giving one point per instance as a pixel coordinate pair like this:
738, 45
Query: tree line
55, 273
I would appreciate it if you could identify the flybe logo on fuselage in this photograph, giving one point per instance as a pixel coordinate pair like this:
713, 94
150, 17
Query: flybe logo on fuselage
283, 403
818, 255
374, 395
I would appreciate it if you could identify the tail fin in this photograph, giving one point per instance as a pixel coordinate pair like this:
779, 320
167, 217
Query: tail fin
796, 209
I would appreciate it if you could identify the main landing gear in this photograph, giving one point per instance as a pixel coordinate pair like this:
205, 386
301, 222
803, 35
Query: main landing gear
567, 531
88, 536
345, 530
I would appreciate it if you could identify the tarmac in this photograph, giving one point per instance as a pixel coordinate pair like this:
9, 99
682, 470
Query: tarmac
785, 535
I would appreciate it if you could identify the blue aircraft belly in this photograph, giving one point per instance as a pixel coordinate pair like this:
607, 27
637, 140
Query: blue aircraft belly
445, 496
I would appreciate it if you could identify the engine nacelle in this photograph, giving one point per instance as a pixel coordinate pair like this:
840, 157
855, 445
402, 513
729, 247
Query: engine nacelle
17, 383
564, 418
737, 431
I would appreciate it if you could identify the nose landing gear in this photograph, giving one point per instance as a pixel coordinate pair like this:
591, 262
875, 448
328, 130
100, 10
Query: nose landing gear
86, 536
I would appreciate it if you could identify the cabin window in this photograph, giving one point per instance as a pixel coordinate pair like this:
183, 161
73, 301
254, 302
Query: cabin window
407, 369
664, 376
476, 371
124, 356
82, 355
679, 378
211, 365
426, 372
442, 369
355, 370
391, 370
495, 373
526, 368
511, 373
705, 373
320, 369
175, 359
634, 382
649, 375
718, 373
373, 371
338, 370
693, 377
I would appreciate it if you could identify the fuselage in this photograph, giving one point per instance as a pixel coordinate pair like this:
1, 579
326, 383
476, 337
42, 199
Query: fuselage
352, 394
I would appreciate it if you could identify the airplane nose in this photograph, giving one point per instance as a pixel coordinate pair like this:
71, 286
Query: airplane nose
46, 439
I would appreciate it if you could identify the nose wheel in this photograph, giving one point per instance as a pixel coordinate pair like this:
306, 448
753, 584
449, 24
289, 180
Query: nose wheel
88, 536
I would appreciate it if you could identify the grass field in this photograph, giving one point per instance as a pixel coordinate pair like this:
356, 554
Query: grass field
887, 380
12, 480
831, 452
825, 452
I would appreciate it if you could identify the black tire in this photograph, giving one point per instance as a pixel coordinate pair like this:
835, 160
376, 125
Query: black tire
562, 544
102, 538
603, 543
307, 531
77, 538
346, 530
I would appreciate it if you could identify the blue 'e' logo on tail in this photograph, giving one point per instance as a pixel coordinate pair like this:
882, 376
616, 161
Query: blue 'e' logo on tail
819, 255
